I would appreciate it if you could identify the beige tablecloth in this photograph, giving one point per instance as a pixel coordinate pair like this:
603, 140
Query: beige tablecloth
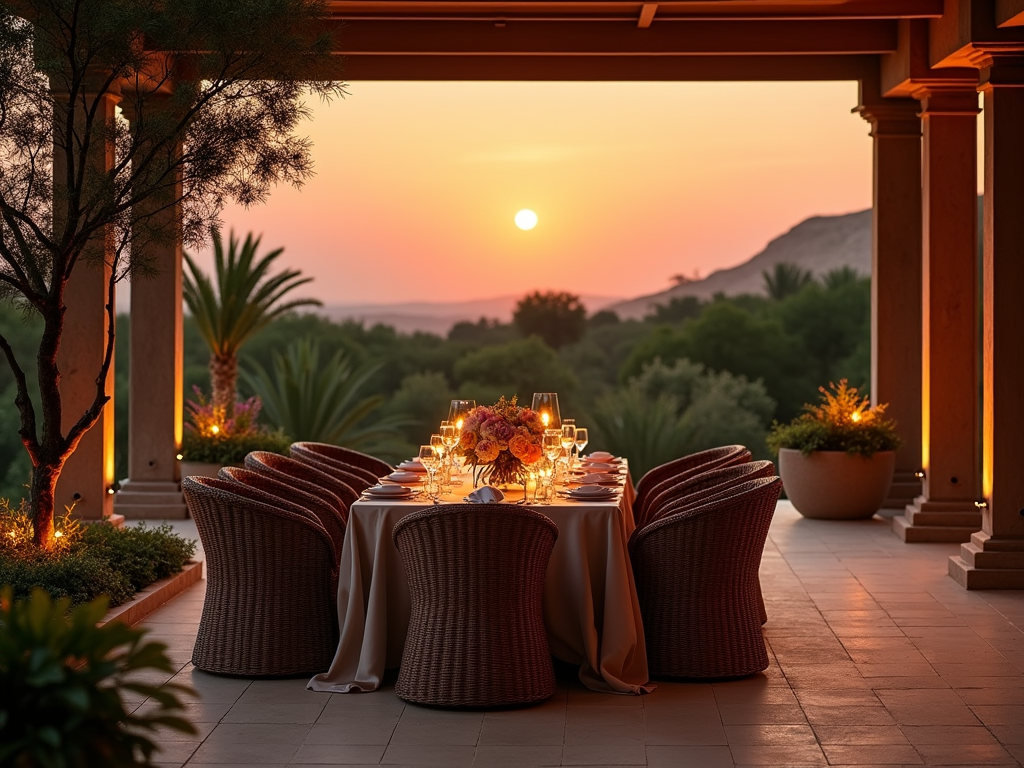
590, 604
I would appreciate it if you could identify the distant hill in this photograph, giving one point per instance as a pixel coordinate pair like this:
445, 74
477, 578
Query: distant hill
819, 244
438, 318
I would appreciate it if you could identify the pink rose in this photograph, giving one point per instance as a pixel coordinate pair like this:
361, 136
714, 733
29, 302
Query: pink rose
487, 451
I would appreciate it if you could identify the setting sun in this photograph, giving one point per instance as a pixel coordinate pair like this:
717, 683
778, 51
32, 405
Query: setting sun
526, 219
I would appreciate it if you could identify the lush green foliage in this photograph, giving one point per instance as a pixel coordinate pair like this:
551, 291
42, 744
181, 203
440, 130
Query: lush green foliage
87, 561
786, 280
670, 411
231, 449
324, 402
818, 334
844, 421
62, 681
558, 318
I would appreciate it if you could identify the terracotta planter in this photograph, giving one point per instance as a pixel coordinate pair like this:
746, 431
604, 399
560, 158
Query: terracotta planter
199, 469
835, 485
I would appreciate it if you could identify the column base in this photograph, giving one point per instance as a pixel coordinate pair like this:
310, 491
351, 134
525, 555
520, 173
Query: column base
904, 489
937, 521
150, 500
988, 563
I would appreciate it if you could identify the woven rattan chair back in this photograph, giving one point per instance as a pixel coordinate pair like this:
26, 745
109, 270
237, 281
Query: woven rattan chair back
287, 469
271, 594
364, 461
357, 478
476, 634
696, 580
661, 477
690, 490
326, 512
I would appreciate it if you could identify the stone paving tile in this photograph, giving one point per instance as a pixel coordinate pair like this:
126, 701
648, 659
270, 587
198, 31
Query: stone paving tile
877, 659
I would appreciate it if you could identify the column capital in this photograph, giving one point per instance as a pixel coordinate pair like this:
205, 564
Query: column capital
892, 118
956, 98
1000, 69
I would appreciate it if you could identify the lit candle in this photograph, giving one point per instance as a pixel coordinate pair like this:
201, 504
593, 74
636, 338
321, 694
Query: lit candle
459, 424
545, 417
531, 484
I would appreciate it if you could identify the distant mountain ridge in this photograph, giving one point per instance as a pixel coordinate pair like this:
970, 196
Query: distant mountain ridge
818, 244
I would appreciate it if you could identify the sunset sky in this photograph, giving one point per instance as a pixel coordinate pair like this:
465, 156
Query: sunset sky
417, 185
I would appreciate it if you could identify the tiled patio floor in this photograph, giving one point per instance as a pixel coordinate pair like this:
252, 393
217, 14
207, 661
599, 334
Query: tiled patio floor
877, 658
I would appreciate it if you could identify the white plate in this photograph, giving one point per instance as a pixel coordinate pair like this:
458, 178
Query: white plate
595, 465
389, 491
403, 477
598, 478
599, 456
591, 491
411, 466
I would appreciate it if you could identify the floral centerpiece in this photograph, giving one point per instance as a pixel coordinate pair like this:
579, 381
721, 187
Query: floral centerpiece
499, 440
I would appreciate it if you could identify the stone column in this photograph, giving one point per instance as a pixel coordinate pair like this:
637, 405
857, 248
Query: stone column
946, 510
994, 557
152, 488
896, 280
87, 478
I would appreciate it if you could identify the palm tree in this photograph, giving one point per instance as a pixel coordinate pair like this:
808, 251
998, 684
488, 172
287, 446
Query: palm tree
785, 280
246, 299
323, 403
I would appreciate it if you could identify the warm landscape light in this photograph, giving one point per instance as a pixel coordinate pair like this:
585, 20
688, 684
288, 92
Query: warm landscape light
110, 491
56, 534
855, 416
180, 456
214, 430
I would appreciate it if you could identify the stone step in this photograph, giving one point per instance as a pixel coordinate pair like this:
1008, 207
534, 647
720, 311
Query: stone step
951, 534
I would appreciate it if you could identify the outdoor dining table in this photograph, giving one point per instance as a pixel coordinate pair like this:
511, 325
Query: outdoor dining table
591, 609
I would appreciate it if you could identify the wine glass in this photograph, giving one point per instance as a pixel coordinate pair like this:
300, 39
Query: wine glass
552, 446
567, 439
572, 448
450, 438
429, 460
582, 438
437, 443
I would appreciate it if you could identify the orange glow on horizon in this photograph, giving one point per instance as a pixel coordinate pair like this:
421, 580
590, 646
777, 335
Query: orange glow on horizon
636, 181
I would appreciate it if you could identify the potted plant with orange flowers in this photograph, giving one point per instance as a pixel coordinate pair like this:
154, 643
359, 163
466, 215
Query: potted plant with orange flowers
836, 459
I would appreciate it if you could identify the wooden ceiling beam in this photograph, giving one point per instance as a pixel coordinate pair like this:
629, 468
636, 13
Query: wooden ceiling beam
609, 68
665, 38
734, 10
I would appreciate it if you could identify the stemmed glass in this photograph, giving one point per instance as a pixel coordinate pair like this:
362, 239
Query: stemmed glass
568, 441
572, 458
582, 438
429, 460
552, 447
450, 439
437, 443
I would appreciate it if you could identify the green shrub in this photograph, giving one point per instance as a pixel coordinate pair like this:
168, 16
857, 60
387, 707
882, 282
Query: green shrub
143, 555
233, 448
87, 560
61, 684
843, 422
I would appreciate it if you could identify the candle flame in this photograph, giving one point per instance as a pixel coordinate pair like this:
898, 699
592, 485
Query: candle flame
545, 417
459, 423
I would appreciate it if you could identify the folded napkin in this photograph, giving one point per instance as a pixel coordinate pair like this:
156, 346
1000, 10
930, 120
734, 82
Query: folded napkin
486, 495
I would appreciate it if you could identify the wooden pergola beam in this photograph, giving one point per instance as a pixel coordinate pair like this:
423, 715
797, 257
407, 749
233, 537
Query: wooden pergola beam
501, 36
609, 68
709, 10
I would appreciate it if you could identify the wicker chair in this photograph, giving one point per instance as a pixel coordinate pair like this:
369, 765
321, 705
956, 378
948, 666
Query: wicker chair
373, 465
662, 477
476, 634
690, 490
326, 512
271, 591
305, 476
358, 479
696, 579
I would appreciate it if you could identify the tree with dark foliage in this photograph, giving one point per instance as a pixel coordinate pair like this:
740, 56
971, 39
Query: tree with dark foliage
212, 91
558, 318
